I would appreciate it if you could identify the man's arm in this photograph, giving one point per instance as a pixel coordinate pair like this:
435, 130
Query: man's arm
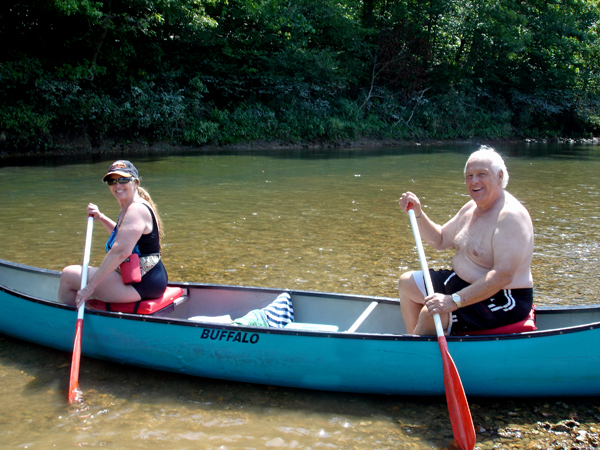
437, 236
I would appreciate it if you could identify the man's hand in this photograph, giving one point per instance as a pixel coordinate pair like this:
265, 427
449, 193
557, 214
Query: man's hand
406, 199
439, 304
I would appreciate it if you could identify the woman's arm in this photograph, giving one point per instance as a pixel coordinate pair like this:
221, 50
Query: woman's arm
131, 229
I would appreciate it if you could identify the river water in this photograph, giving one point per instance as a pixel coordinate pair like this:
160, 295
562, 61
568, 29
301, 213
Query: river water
303, 219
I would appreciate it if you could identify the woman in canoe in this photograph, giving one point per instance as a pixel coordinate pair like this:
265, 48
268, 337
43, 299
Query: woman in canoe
138, 230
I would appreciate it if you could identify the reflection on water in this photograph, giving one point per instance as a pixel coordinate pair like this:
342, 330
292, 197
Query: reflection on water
298, 220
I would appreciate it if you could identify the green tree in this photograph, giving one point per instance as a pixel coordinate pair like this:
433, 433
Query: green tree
199, 71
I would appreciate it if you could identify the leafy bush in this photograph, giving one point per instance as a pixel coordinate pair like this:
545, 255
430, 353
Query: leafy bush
227, 72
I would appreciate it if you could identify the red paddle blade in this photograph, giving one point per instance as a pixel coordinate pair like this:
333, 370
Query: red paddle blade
458, 407
74, 379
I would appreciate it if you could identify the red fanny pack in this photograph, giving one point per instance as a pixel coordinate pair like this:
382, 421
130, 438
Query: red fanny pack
130, 269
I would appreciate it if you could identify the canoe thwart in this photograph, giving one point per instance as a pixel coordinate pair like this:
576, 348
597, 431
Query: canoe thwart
362, 317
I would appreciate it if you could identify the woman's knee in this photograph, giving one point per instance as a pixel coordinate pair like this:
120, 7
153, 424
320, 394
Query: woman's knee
71, 276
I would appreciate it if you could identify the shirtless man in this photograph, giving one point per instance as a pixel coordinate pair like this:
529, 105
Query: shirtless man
490, 283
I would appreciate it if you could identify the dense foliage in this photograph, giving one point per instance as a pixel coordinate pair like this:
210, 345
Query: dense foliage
225, 71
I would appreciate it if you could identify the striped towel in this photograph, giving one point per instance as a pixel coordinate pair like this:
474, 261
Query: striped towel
280, 312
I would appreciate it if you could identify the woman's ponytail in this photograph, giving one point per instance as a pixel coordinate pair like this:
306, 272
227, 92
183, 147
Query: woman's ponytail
146, 196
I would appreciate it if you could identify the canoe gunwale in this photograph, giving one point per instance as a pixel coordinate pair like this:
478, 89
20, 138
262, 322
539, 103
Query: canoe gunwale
543, 310
27, 268
267, 330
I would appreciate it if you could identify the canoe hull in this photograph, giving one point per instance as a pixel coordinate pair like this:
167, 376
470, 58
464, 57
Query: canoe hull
555, 363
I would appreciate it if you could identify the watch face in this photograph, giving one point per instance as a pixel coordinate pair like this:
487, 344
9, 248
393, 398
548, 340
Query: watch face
456, 299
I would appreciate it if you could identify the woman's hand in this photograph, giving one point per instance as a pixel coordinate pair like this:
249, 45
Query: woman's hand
93, 211
83, 295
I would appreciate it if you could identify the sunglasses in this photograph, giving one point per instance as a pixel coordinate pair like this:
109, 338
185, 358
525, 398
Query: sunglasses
122, 180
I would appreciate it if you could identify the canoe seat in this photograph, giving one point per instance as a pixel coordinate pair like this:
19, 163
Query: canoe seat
527, 324
152, 306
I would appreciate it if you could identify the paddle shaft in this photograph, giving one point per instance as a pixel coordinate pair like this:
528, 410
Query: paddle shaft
458, 407
74, 378
424, 268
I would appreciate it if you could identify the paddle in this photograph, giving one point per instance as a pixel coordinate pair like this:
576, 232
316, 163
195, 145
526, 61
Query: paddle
74, 379
460, 415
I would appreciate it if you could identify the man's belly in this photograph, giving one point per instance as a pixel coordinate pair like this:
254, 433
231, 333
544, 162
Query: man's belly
469, 271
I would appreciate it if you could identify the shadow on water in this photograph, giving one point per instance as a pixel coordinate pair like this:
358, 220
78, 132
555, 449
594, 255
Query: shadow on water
529, 150
278, 153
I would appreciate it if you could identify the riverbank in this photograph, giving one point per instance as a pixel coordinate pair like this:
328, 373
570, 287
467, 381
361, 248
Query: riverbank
83, 147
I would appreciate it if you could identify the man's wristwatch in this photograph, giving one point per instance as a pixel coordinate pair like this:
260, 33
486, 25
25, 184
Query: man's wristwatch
457, 300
